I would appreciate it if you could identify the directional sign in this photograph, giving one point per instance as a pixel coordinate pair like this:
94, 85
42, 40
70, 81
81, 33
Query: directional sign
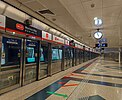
101, 45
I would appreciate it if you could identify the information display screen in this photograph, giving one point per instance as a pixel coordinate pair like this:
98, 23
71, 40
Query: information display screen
55, 54
102, 45
30, 52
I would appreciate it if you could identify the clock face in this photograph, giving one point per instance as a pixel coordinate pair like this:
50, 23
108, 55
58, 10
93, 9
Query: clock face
98, 35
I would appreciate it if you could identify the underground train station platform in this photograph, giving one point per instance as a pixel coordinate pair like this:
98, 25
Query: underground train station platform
97, 79
60, 49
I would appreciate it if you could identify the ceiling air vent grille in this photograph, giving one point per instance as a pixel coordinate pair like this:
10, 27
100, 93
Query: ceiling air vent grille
47, 11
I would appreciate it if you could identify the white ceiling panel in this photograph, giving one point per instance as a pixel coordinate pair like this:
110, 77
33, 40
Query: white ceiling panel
77, 12
97, 4
109, 3
25, 1
34, 5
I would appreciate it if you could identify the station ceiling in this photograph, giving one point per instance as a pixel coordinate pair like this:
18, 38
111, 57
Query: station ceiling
77, 17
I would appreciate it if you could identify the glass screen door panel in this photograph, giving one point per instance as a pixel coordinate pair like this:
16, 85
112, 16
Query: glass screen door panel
31, 61
10, 64
56, 59
67, 58
43, 60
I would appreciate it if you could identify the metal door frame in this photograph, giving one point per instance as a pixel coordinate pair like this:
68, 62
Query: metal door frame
24, 61
20, 68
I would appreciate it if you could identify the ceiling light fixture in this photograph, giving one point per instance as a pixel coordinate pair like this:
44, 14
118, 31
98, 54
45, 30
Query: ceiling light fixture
95, 18
98, 21
92, 5
13, 33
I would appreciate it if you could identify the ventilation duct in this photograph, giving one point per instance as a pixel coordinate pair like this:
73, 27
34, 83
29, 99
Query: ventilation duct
47, 11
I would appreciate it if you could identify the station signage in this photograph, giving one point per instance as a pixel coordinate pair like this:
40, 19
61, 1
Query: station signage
101, 45
2, 22
31, 43
72, 43
79, 46
11, 41
18, 26
91, 49
104, 45
46, 35
58, 39
87, 49
76, 45
66, 42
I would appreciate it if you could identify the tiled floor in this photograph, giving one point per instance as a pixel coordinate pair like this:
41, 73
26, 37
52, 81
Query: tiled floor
98, 83
88, 89
30, 89
98, 80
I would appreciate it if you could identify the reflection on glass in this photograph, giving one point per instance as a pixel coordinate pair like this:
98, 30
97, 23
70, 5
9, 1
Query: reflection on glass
71, 54
60, 53
55, 54
42, 55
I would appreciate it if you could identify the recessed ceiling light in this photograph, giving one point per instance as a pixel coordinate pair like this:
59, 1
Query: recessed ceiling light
95, 18
13, 33
92, 5
53, 19
97, 21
